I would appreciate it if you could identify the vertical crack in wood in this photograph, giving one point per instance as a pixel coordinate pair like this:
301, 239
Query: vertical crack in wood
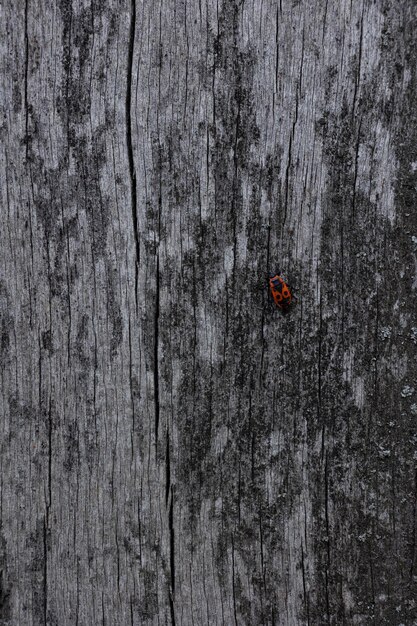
239, 488
48, 508
235, 184
156, 352
355, 94
265, 291
233, 581
67, 64
326, 513
131, 612
167, 472
169, 503
49, 503
324, 23
319, 377
279, 10
371, 566
414, 530
132, 170
342, 279
292, 134
375, 378
116, 538
358, 72
305, 592
355, 175
103, 611
45, 570
132, 397
264, 594
26, 79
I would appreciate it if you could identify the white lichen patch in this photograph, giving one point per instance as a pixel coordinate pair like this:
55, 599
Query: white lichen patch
414, 242
384, 453
413, 409
414, 334
407, 391
385, 332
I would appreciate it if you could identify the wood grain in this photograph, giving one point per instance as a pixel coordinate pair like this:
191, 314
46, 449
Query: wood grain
173, 450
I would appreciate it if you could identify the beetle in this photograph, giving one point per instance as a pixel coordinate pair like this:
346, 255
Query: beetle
281, 292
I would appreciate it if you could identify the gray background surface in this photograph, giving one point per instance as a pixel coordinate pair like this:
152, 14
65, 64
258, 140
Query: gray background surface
173, 450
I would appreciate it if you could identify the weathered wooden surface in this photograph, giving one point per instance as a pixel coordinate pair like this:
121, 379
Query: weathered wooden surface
173, 451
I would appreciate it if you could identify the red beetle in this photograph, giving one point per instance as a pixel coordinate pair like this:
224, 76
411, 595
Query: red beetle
281, 292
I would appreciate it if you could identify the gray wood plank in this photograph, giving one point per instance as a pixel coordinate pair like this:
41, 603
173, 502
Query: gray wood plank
174, 450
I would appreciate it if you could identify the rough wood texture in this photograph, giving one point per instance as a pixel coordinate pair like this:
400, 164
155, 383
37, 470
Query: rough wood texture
173, 450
